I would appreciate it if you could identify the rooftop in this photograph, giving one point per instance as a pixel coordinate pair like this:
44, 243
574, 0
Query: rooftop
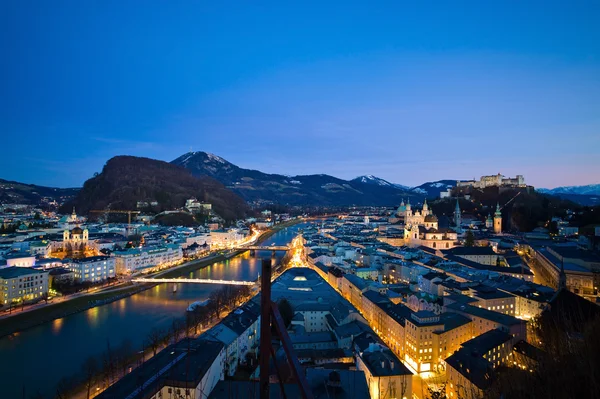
14, 272
500, 318
174, 365
474, 368
384, 363
90, 259
465, 251
487, 341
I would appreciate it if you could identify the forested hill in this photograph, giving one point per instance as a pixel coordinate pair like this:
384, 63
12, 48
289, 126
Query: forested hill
125, 180
522, 209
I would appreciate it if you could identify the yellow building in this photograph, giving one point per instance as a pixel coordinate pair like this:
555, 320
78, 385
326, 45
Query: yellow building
22, 284
430, 338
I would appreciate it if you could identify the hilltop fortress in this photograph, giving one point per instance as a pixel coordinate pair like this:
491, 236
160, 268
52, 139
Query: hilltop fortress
494, 181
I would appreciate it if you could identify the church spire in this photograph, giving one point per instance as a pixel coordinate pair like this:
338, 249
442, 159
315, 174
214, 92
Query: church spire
498, 212
457, 218
562, 277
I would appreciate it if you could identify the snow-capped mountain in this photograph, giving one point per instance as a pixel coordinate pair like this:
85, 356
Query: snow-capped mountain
321, 189
370, 179
590, 189
434, 188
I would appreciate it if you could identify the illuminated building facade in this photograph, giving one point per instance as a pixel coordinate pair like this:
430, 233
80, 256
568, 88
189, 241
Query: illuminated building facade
22, 284
93, 268
386, 376
493, 181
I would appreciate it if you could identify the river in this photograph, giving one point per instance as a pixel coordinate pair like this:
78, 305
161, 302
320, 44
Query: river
36, 359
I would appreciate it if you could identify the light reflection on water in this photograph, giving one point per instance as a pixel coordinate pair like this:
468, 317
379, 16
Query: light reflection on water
58, 348
56, 325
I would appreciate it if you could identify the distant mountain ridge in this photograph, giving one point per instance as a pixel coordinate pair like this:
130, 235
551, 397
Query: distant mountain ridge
321, 189
370, 179
434, 188
260, 187
12, 192
590, 189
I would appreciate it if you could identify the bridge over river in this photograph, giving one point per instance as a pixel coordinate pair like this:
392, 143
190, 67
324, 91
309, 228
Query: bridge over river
264, 248
191, 280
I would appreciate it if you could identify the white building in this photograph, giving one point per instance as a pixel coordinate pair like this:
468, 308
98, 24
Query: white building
199, 238
225, 238
193, 205
92, 269
41, 248
135, 259
240, 333
18, 284
20, 260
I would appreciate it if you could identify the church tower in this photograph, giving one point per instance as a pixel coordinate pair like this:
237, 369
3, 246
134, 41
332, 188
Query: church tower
425, 208
562, 277
497, 220
457, 218
489, 223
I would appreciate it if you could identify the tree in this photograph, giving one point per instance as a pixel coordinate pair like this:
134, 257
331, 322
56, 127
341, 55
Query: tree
286, 310
90, 369
469, 239
154, 339
216, 302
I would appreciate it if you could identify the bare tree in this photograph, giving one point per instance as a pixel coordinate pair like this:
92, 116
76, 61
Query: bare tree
90, 369
216, 302
154, 339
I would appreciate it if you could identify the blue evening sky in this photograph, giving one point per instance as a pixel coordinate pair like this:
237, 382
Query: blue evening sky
410, 91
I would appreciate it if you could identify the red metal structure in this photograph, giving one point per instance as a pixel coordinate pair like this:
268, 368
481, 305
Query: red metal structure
270, 315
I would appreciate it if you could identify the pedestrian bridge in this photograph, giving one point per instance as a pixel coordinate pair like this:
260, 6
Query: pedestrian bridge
265, 248
191, 280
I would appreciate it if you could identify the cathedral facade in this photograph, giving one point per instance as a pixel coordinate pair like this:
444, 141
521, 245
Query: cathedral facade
422, 228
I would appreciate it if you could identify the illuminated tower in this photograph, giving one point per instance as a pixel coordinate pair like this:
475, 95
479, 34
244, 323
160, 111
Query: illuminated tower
497, 220
457, 218
425, 208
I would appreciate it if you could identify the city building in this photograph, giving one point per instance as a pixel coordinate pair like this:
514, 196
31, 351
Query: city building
471, 369
188, 369
20, 259
240, 334
386, 376
481, 255
60, 275
421, 228
92, 268
138, 259
581, 268
193, 205
22, 284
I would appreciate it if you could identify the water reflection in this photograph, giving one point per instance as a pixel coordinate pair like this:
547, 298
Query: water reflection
92, 316
56, 325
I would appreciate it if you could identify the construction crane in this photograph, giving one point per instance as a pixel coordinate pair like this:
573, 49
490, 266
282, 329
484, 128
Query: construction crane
129, 213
